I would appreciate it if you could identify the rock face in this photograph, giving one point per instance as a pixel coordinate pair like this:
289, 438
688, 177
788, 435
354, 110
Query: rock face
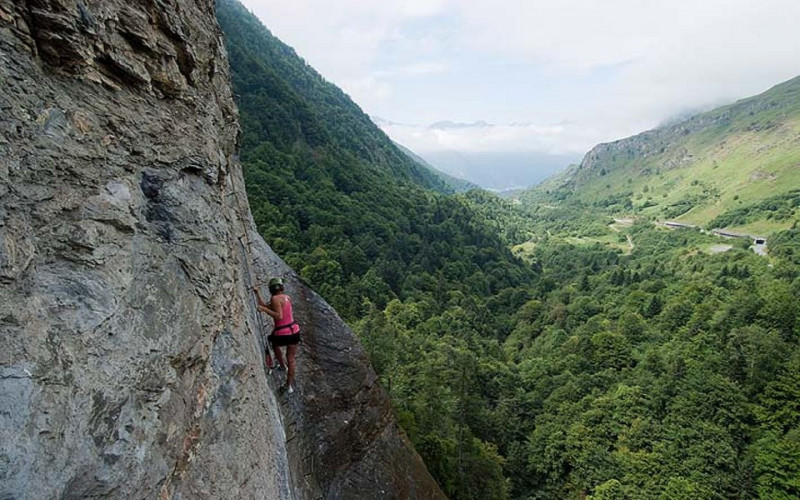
132, 360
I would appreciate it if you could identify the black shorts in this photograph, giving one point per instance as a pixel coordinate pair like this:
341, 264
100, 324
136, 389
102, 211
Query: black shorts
284, 340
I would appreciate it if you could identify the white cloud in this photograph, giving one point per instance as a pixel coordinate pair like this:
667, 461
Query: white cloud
673, 56
342, 39
414, 69
579, 35
369, 85
635, 63
565, 35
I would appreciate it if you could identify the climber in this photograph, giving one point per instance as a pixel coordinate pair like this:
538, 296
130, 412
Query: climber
286, 332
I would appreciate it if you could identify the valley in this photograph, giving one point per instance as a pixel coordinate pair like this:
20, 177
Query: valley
629, 329
564, 344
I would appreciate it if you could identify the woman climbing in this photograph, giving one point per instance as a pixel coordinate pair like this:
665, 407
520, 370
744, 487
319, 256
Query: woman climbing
286, 332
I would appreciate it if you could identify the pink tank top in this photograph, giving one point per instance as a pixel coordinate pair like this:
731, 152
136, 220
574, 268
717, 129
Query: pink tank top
286, 326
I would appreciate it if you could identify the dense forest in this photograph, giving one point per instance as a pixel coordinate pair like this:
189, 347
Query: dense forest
624, 364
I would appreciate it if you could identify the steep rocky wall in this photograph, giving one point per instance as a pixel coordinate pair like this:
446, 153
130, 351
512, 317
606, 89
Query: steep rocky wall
131, 364
128, 369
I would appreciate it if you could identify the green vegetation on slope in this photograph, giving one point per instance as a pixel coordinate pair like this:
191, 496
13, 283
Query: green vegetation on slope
360, 222
653, 372
654, 375
778, 208
703, 169
285, 103
358, 231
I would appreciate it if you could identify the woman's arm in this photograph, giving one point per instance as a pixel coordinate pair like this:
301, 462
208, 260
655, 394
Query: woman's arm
274, 308
258, 297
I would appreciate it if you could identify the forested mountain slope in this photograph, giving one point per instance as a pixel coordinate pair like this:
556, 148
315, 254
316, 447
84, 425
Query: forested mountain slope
647, 364
370, 230
284, 101
341, 202
656, 371
737, 166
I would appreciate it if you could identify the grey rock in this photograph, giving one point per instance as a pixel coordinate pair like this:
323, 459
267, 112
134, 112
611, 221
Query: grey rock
132, 362
128, 370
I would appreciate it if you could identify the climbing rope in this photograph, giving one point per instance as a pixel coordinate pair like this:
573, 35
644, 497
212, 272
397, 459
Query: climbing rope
248, 272
250, 283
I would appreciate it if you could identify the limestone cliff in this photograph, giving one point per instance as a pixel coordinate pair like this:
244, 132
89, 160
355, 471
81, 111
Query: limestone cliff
131, 364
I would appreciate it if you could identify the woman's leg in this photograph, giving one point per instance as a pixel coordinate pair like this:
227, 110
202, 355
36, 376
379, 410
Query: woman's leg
268, 361
291, 353
278, 355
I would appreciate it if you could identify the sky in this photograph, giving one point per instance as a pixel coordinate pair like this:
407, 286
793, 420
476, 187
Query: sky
542, 76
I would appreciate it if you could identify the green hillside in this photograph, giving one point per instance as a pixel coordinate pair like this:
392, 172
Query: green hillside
335, 197
284, 101
375, 233
615, 360
737, 167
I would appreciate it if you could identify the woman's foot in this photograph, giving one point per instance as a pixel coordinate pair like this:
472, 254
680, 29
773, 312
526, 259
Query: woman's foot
287, 389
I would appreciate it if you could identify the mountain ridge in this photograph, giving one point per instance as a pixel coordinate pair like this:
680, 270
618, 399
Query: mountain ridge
455, 183
702, 169
310, 101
